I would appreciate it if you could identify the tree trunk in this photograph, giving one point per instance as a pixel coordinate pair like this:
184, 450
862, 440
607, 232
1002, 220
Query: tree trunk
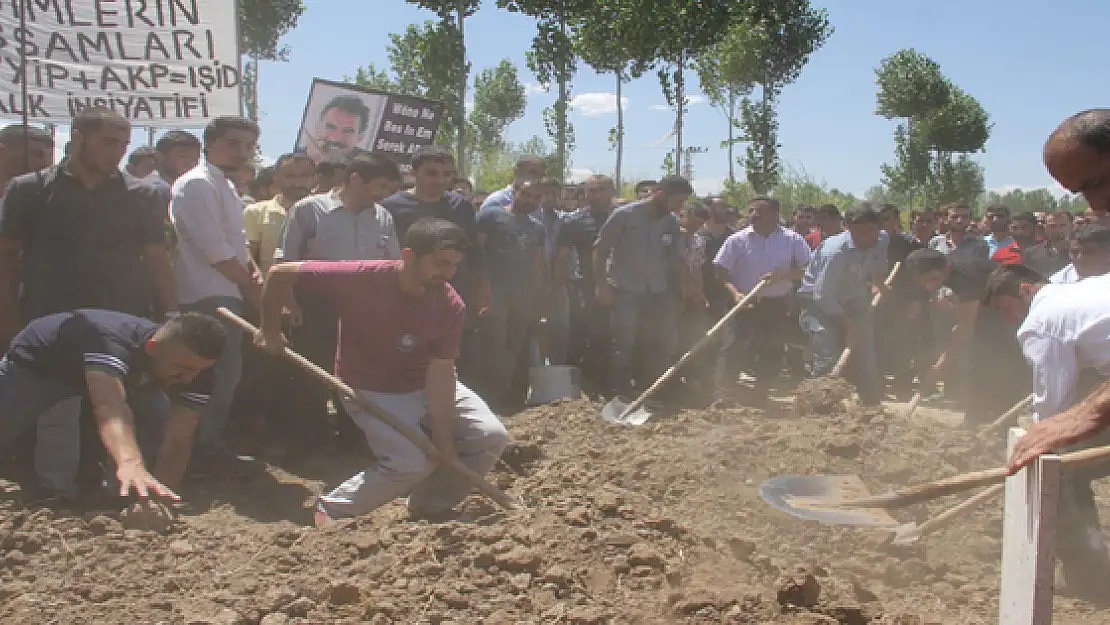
768, 140
731, 136
620, 132
461, 163
561, 106
680, 101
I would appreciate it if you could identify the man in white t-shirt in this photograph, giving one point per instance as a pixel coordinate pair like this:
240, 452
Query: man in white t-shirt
1065, 336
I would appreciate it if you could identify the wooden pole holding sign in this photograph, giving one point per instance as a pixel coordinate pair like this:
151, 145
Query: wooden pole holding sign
1028, 553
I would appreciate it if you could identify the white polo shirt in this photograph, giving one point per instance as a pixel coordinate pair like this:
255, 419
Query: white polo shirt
207, 215
1067, 330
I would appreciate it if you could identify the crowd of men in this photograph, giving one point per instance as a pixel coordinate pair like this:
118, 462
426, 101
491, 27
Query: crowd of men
111, 282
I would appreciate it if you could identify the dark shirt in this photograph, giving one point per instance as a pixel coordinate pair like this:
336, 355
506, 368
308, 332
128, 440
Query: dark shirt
579, 233
511, 244
715, 292
968, 280
905, 287
64, 346
82, 248
406, 210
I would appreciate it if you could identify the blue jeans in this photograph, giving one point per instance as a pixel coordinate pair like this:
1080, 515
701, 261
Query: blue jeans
26, 395
863, 364
645, 333
228, 369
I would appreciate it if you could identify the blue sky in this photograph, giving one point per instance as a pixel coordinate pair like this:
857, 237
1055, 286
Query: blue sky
1031, 64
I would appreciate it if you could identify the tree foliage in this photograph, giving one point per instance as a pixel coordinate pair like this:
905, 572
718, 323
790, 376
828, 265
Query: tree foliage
766, 45
795, 186
425, 62
494, 169
910, 85
499, 100
611, 38
553, 59
1035, 201
941, 124
262, 24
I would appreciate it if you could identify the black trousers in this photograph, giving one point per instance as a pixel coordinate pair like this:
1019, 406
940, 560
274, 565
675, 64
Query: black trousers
591, 341
756, 338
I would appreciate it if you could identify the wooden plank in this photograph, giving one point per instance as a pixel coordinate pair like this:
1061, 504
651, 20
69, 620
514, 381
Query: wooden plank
1028, 552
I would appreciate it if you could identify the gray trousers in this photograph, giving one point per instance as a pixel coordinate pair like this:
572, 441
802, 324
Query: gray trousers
402, 469
228, 369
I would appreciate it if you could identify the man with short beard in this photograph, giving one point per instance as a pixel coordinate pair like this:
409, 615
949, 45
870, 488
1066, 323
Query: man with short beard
402, 324
997, 222
591, 340
513, 242
1026, 249
294, 178
23, 150
956, 242
215, 270
82, 234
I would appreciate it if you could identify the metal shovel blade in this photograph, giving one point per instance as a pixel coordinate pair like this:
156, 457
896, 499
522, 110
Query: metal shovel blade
613, 411
814, 498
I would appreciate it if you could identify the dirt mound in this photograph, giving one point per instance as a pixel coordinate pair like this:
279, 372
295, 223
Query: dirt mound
654, 524
821, 395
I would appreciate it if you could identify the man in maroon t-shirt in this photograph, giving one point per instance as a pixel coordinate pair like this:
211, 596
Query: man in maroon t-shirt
400, 324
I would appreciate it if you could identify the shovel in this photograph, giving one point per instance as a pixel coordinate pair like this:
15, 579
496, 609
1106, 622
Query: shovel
415, 437
617, 411
824, 498
847, 353
909, 533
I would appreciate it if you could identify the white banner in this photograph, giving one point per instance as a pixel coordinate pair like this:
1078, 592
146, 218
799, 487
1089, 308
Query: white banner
159, 63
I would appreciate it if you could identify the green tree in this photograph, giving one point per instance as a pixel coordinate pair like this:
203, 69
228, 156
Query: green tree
910, 85
681, 30
1034, 201
494, 169
611, 39
262, 24
499, 100
554, 60
453, 15
766, 48
425, 62
943, 125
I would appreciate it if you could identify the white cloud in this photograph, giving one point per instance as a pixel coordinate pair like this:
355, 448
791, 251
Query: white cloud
533, 88
266, 161
691, 100
707, 186
469, 104
596, 103
578, 174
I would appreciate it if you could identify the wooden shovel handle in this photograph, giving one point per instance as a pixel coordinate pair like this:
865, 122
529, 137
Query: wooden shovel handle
634, 406
947, 486
1006, 418
415, 437
847, 353
946, 517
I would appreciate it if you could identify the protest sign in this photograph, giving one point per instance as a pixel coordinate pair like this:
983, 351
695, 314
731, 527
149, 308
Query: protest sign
342, 119
159, 63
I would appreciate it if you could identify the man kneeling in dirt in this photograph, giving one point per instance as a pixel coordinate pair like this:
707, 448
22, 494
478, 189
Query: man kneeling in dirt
400, 324
124, 365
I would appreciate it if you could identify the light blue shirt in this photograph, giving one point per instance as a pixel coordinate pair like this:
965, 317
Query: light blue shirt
994, 244
840, 274
499, 199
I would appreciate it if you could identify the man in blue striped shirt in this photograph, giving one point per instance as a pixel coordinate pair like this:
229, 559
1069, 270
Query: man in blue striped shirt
836, 299
146, 383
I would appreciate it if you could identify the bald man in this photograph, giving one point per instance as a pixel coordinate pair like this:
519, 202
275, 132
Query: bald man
1077, 155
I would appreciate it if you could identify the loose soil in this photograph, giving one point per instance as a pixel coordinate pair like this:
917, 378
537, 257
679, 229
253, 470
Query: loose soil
654, 524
